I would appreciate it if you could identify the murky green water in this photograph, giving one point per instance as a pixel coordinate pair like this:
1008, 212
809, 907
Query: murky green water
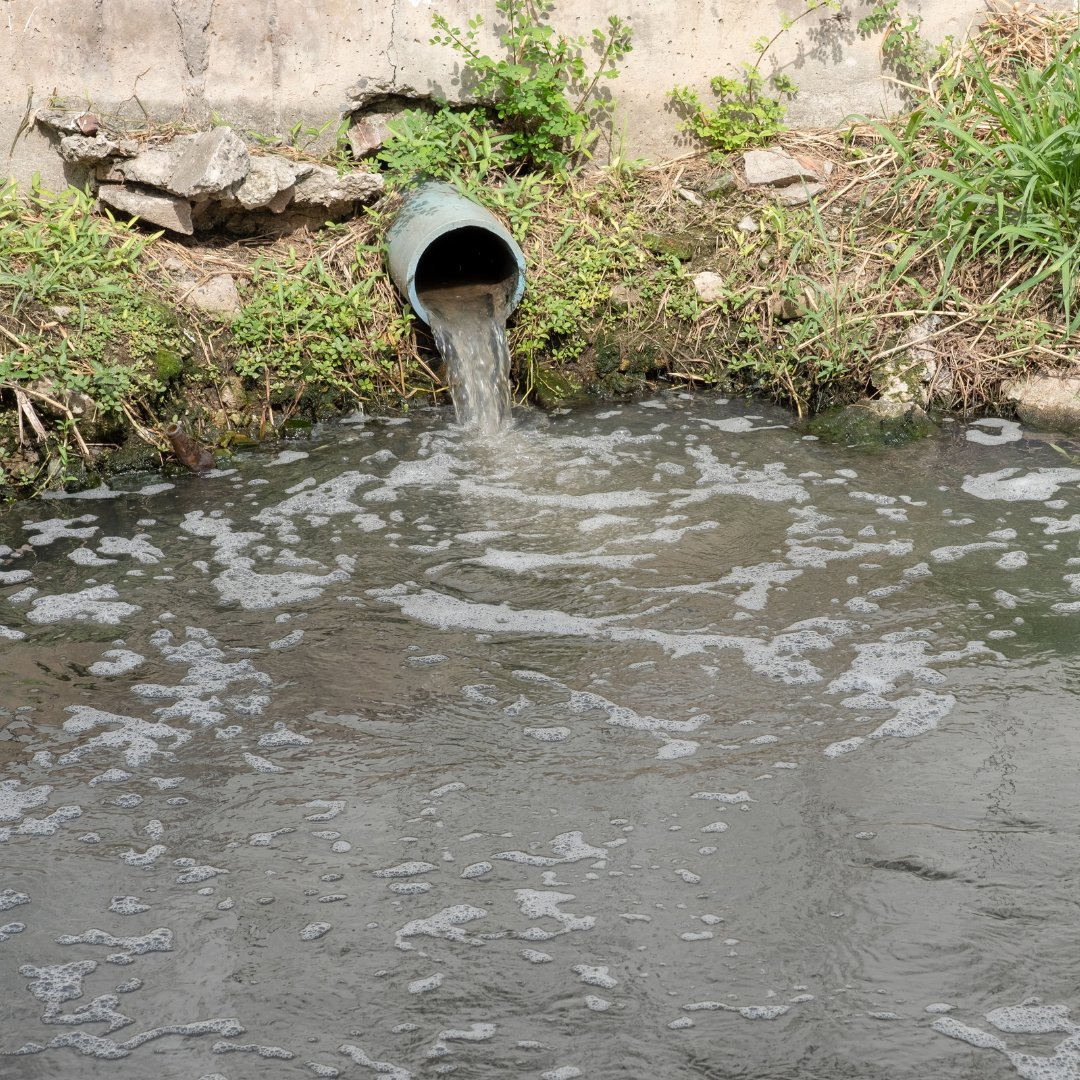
649, 742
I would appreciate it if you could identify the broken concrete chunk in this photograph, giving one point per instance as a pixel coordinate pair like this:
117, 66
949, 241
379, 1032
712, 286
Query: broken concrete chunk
156, 164
368, 133
325, 187
213, 161
154, 207
267, 178
367, 93
67, 121
86, 149
776, 168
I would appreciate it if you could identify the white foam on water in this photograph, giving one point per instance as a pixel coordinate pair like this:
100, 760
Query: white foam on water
475, 870
328, 809
958, 551
138, 740
315, 930
283, 736
563, 1072
84, 556
730, 798
1010, 485
53, 529
383, 1068
138, 547
127, 905
844, 746
405, 869
159, 940
547, 734
1012, 560
536, 957
99, 604
445, 924
1055, 526
261, 764
1001, 431
521, 562
473, 1033
425, 986
915, 715
116, 662
595, 976
537, 904
9, 899
14, 803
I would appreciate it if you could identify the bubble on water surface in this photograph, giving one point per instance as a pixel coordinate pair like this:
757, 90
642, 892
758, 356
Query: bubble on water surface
405, 869
424, 986
1010, 485
383, 1068
127, 905
98, 604
1001, 431
595, 976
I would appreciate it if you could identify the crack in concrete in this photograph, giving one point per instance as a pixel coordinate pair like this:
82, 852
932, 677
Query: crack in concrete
391, 47
193, 18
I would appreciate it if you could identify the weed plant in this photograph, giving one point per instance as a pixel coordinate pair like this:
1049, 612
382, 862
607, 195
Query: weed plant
543, 91
993, 173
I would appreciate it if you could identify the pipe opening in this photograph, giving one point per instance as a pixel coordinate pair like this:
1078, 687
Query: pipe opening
469, 256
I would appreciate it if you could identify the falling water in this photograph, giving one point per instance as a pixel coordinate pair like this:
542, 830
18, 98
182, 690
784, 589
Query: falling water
469, 324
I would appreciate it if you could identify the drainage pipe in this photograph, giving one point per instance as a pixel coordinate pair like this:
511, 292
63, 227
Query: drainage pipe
441, 239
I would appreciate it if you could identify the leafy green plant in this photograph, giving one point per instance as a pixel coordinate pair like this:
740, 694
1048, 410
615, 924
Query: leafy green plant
1006, 179
903, 48
543, 89
458, 146
743, 114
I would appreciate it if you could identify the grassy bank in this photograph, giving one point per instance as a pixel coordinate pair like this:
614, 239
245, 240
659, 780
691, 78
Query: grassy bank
942, 256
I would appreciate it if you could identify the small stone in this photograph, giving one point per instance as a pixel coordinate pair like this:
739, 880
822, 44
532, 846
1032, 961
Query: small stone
689, 196
1048, 402
872, 423
622, 298
775, 168
719, 186
785, 309
217, 295
747, 225
709, 286
156, 208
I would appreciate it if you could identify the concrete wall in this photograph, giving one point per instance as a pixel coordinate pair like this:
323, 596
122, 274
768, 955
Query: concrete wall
266, 64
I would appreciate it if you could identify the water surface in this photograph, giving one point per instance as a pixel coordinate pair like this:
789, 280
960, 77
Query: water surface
652, 741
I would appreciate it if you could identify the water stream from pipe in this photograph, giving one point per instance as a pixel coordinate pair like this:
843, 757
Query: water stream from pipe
469, 324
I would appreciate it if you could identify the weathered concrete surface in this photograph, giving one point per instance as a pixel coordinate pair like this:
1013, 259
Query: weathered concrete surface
264, 65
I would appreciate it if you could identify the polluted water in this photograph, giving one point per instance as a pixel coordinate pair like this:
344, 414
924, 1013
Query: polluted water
660, 740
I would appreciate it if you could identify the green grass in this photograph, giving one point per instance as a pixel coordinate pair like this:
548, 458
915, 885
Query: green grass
995, 172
